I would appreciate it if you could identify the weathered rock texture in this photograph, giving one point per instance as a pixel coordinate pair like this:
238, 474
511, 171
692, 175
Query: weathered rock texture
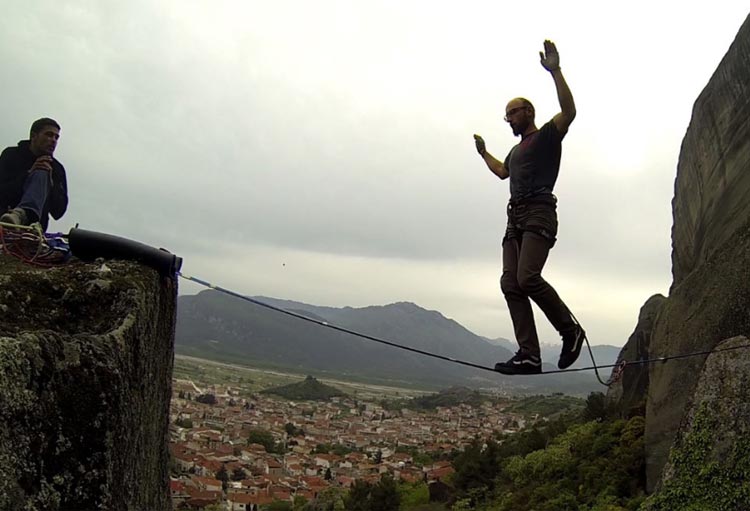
628, 394
709, 464
712, 189
85, 383
711, 304
710, 296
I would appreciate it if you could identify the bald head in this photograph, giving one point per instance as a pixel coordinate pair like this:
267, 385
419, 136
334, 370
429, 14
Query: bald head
519, 103
519, 113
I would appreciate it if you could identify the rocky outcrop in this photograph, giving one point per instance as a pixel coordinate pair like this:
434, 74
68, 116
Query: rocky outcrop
628, 393
85, 383
710, 295
711, 304
710, 460
712, 189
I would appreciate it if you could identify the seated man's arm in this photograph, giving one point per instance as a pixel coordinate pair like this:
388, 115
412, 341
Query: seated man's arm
10, 183
58, 199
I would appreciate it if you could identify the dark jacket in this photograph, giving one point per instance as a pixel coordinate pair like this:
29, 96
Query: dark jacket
15, 163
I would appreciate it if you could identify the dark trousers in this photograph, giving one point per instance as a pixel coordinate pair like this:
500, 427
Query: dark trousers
530, 235
35, 191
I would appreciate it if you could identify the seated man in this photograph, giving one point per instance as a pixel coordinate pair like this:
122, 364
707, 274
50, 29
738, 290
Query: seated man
32, 182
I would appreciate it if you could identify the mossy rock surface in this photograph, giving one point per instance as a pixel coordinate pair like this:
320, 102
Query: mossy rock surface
85, 382
709, 465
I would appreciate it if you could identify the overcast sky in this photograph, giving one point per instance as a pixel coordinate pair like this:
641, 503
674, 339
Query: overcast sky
322, 151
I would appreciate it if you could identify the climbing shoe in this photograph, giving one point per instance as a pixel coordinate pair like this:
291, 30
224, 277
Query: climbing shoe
521, 363
16, 216
572, 343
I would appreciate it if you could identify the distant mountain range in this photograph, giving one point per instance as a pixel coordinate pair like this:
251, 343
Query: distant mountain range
220, 327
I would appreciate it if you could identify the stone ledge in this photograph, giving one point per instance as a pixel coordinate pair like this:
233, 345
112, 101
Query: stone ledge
85, 381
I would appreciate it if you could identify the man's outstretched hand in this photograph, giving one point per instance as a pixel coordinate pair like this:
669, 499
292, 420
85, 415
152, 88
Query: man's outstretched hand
549, 58
479, 141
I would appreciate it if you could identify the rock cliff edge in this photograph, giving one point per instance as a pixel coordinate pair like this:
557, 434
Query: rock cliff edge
86, 356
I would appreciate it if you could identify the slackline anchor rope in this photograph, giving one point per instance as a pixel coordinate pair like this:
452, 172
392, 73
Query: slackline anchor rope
619, 367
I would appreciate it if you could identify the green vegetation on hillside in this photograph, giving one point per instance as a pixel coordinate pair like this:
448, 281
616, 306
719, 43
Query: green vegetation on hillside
594, 466
546, 406
309, 390
582, 459
266, 439
700, 480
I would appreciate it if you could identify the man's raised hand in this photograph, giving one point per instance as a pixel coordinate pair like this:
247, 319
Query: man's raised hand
481, 149
549, 58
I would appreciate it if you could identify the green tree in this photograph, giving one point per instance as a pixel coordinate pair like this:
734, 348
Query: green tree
223, 476
596, 407
358, 498
413, 496
262, 437
384, 496
331, 499
208, 399
322, 449
340, 450
477, 467
174, 468
280, 505
292, 430
184, 423
595, 465
422, 459
299, 503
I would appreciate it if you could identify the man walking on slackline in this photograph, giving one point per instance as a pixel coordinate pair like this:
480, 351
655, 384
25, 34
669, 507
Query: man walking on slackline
533, 165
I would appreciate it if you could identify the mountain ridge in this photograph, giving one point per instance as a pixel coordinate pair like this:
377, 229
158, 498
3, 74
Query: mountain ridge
213, 325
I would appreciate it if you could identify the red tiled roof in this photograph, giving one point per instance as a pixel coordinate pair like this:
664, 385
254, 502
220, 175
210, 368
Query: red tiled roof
440, 473
308, 494
241, 498
212, 465
188, 458
206, 481
345, 481
213, 496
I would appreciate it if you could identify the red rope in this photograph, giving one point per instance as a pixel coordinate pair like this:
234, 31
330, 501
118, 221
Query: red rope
15, 249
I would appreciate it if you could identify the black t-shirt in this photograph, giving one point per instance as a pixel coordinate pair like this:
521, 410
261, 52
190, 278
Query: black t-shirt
534, 163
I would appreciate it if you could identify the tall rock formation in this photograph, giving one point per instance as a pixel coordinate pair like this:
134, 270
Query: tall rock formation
710, 295
85, 384
712, 189
628, 393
